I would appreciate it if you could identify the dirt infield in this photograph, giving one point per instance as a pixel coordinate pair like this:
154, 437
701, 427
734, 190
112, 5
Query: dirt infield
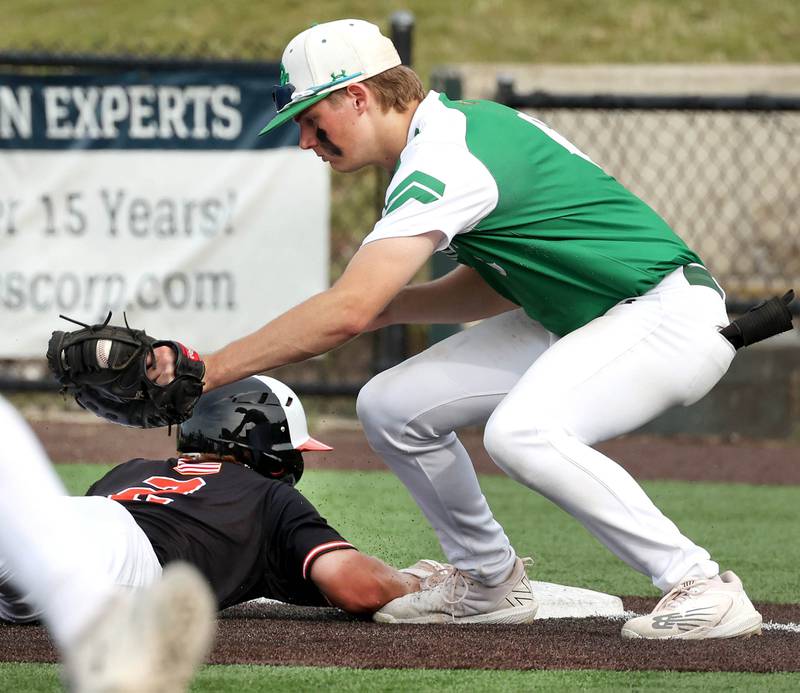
326, 637
745, 462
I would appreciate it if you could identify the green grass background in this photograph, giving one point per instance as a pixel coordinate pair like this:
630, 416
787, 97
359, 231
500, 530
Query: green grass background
570, 31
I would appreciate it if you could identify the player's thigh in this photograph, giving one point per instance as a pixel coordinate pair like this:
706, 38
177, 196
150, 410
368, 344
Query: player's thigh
119, 547
460, 380
626, 367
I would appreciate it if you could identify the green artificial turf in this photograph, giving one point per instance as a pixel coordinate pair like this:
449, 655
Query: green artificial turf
43, 678
744, 527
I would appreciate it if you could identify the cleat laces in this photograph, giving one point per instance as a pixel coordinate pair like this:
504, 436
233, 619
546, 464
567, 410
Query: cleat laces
454, 584
451, 581
527, 561
681, 592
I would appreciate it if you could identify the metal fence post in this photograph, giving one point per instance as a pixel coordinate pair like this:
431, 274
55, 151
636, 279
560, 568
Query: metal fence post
449, 82
402, 23
505, 88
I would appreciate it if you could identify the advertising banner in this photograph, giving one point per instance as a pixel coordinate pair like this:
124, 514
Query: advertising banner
153, 195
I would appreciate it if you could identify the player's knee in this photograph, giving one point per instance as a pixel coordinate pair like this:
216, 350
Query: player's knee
381, 410
517, 445
499, 439
370, 404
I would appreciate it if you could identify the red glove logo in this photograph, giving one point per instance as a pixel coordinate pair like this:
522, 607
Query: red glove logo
189, 353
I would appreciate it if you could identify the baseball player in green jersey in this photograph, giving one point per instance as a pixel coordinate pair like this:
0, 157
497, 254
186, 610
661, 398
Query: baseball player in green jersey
595, 318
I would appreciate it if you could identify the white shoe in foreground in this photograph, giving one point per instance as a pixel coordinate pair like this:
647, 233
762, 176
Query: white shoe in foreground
425, 567
146, 641
698, 609
450, 596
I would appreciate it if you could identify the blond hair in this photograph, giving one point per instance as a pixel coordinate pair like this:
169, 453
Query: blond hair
394, 89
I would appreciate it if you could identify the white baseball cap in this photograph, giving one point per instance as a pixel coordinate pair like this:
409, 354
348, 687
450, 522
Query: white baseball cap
325, 58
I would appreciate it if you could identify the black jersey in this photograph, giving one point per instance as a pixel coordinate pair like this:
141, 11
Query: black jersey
249, 535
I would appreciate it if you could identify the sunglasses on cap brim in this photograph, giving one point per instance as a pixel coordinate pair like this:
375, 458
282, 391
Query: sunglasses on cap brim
284, 94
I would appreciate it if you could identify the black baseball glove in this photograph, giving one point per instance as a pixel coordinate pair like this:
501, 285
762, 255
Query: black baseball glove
105, 368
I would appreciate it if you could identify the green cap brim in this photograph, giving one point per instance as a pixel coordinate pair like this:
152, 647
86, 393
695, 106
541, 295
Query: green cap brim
291, 111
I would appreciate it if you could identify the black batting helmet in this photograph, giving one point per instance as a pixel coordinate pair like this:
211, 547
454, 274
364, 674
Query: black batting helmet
259, 421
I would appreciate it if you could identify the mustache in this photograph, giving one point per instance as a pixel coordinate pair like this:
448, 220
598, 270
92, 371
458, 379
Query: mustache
326, 144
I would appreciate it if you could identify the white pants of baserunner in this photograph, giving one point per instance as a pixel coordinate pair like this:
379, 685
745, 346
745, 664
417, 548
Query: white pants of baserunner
63, 556
544, 401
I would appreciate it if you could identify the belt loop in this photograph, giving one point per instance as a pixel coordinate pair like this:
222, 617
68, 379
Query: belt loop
697, 275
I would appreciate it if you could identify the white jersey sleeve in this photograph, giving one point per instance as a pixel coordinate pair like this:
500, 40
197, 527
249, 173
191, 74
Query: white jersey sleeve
438, 186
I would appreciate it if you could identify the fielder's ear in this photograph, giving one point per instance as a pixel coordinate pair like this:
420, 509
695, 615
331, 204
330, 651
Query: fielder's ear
360, 96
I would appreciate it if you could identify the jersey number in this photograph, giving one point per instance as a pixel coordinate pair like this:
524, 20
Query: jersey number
160, 485
553, 135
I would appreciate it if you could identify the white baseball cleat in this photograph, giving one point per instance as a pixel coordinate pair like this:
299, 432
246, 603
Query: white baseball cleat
698, 609
450, 596
146, 641
425, 567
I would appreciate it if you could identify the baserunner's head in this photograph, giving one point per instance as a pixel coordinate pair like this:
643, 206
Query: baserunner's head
258, 421
343, 83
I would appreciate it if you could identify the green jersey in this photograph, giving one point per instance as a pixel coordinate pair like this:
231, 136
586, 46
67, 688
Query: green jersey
534, 216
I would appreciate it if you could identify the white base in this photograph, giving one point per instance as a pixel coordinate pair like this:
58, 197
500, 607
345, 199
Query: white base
555, 601
562, 601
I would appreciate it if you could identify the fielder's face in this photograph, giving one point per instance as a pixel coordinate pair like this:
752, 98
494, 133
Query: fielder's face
336, 131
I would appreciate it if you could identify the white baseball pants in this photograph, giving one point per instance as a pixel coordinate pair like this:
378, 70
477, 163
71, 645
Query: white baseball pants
62, 555
545, 401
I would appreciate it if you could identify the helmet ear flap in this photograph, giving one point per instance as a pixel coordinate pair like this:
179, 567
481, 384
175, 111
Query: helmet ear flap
287, 467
